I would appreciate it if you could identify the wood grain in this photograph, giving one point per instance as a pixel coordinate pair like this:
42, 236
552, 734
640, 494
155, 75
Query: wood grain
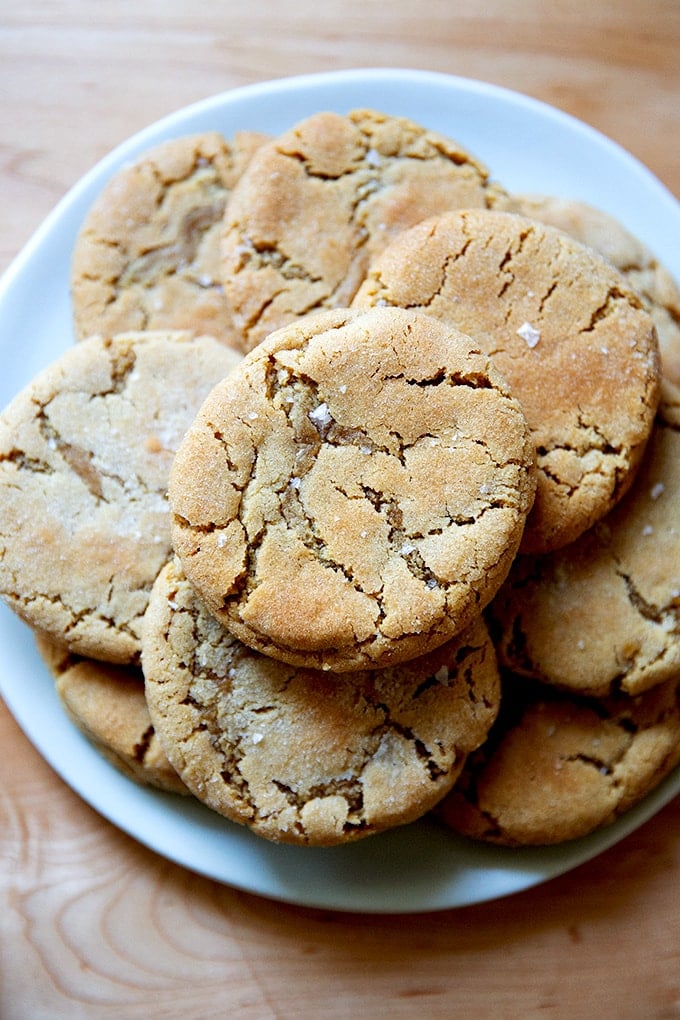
94, 925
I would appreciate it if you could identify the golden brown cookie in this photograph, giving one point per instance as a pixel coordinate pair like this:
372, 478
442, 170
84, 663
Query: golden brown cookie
85, 454
555, 768
300, 756
658, 290
147, 255
571, 338
604, 612
107, 704
317, 203
355, 491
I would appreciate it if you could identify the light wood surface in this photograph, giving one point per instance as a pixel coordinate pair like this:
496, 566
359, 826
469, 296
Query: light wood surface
92, 924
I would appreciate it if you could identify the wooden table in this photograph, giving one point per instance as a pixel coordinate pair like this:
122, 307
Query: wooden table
94, 925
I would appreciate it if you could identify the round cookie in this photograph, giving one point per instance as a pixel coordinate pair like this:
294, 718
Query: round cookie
317, 203
557, 768
604, 613
355, 491
85, 454
299, 756
656, 287
573, 341
107, 704
147, 254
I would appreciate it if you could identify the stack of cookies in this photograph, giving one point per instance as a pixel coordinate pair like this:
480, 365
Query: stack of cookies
354, 500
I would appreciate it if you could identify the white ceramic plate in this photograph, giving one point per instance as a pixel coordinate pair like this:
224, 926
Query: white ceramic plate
527, 146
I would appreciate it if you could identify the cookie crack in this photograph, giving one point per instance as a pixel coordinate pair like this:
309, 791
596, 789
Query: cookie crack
608, 307
79, 460
648, 610
24, 462
141, 748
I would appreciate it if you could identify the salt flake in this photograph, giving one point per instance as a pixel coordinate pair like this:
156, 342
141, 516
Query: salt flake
320, 416
530, 335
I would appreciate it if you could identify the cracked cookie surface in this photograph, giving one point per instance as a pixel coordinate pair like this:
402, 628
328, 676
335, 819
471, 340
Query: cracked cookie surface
556, 768
355, 491
318, 202
147, 254
299, 756
656, 287
573, 341
106, 703
85, 454
604, 613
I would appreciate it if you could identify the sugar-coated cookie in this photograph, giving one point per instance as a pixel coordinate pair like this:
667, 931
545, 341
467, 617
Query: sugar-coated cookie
354, 492
147, 254
317, 203
604, 613
85, 454
572, 339
107, 704
300, 756
556, 767
647, 276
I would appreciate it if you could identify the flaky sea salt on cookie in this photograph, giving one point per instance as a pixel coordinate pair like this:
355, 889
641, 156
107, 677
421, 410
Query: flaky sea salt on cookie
318, 202
85, 454
147, 254
572, 339
106, 703
300, 756
604, 613
354, 493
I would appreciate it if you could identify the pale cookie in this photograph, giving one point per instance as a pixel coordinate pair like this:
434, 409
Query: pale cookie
354, 493
85, 454
107, 704
301, 756
318, 202
658, 290
147, 254
557, 768
573, 341
604, 613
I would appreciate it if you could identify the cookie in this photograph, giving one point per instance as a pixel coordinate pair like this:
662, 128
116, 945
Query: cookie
557, 768
604, 613
107, 704
85, 454
355, 491
318, 202
147, 254
573, 341
300, 756
656, 287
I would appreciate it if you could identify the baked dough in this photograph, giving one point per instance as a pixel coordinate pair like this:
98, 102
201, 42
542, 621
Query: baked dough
147, 254
318, 202
301, 756
85, 454
656, 287
558, 767
604, 613
572, 339
107, 704
354, 492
